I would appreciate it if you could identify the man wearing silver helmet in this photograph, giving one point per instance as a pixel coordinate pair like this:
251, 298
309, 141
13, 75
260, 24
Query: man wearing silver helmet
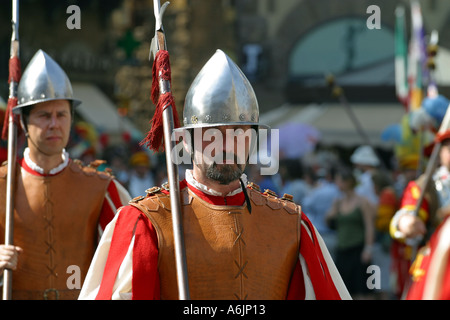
60, 205
240, 243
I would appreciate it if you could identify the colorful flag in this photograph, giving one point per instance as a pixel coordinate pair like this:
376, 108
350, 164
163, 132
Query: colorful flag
401, 80
432, 90
416, 58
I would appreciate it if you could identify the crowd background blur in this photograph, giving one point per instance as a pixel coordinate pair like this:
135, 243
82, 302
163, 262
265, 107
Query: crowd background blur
318, 127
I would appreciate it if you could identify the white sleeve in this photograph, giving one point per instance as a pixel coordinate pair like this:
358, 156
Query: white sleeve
122, 285
123, 198
335, 275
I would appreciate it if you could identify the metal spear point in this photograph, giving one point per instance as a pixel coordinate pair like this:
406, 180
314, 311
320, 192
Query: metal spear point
156, 45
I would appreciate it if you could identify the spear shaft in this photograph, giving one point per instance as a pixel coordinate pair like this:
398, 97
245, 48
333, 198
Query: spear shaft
12, 150
168, 122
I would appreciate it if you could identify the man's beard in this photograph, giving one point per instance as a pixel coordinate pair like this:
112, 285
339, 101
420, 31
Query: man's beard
224, 173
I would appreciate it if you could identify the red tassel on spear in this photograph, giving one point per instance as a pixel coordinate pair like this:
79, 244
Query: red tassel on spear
14, 76
161, 71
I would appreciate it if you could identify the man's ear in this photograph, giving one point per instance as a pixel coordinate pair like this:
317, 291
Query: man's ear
23, 124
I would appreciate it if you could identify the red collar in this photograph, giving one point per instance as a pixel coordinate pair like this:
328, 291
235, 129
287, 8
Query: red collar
234, 200
24, 165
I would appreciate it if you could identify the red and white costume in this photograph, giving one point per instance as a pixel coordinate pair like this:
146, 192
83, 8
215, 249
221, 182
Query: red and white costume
130, 260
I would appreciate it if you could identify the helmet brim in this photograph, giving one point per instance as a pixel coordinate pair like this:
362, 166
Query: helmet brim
18, 108
212, 125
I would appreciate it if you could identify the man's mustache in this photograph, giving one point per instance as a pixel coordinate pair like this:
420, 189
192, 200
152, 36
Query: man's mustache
228, 158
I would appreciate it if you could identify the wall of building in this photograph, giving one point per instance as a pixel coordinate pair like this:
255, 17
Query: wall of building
111, 49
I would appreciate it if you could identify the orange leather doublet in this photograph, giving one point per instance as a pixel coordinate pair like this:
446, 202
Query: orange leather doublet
231, 254
55, 223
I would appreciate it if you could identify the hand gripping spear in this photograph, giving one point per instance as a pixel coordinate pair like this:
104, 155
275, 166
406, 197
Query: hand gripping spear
10, 126
164, 121
431, 166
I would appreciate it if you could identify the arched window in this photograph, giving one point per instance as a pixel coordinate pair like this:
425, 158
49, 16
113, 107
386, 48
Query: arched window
339, 47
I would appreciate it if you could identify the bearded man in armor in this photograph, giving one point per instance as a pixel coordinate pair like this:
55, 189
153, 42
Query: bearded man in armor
241, 242
61, 207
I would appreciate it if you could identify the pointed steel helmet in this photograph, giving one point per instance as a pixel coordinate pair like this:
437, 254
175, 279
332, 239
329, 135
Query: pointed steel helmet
43, 80
220, 95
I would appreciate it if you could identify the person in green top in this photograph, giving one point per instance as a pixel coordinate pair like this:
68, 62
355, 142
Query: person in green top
352, 217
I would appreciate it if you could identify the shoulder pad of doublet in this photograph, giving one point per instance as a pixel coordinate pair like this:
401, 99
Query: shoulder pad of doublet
253, 186
91, 169
161, 198
270, 199
149, 203
291, 207
165, 186
152, 191
256, 196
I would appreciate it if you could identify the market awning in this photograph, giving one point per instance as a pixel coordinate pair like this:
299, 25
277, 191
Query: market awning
335, 124
97, 109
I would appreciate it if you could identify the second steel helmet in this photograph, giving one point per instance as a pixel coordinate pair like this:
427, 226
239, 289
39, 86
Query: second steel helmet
43, 80
220, 95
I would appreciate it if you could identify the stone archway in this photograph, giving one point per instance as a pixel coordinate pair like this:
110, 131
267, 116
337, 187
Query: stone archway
307, 15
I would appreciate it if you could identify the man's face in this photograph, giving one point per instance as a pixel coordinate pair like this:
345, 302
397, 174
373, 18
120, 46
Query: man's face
49, 126
223, 153
445, 153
